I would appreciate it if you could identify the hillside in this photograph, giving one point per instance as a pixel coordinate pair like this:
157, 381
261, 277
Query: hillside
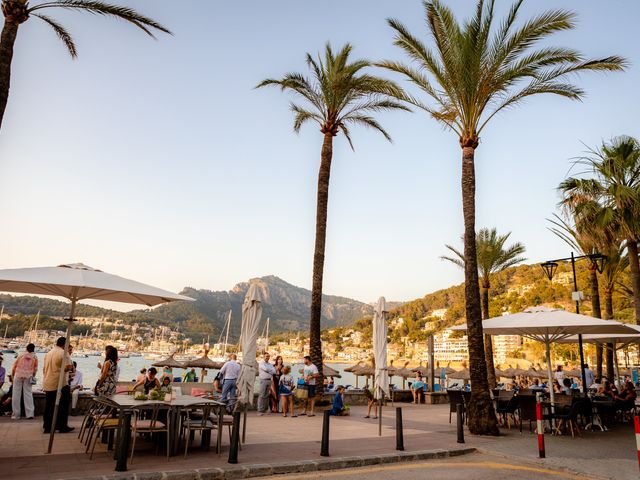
285, 304
512, 291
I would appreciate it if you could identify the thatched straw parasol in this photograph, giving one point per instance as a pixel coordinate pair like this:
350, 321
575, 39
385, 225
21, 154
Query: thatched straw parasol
327, 371
168, 362
204, 363
352, 368
461, 374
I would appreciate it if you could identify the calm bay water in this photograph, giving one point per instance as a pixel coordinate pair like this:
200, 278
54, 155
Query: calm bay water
130, 368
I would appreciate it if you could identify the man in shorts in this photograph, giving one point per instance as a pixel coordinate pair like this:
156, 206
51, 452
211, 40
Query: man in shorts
310, 374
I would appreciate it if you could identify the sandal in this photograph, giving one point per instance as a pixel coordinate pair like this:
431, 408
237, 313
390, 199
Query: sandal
303, 413
294, 416
367, 416
375, 418
311, 415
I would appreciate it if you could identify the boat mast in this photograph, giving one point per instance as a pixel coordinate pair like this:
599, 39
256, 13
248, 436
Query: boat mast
226, 337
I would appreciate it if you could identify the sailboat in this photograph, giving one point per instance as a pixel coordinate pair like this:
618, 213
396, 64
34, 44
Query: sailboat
222, 353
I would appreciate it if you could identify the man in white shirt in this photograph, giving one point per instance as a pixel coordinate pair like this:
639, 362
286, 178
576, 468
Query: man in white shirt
265, 374
76, 386
559, 375
310, 374
229, 374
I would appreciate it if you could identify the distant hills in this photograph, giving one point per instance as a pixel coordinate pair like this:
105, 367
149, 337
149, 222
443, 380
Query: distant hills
512, 291
286, 305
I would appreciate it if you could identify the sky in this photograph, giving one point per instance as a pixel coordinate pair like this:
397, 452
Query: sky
159, 161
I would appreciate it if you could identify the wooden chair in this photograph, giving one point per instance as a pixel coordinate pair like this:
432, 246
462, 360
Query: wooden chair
145, 420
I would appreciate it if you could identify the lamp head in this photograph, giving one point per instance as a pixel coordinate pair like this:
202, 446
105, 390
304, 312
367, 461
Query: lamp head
549, 269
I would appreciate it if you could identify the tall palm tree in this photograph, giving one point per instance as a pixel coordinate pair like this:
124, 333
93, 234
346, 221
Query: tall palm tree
614, 190
617, 262
16, 12
584, 238
493, 257
336, 96
476, 70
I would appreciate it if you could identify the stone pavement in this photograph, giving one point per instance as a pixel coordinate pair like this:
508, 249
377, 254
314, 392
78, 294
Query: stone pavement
275, 440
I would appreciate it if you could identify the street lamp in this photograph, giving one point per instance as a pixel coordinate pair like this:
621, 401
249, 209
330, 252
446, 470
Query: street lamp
550, 266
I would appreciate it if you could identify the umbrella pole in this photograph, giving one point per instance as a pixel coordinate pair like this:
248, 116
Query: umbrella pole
551, 392
615, 361
380, 414
62, 376
244, 423
582, 373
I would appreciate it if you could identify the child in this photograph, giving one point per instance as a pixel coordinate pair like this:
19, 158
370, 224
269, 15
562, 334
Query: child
166, 385
338, 403
286, 387
371, 403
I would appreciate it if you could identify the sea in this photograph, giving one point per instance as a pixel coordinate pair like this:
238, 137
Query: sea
130, 369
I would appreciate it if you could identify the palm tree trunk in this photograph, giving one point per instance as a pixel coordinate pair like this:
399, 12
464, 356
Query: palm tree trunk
634, 268
315, 343
7, 41
596, 312
488, 343
608, 314
482, 417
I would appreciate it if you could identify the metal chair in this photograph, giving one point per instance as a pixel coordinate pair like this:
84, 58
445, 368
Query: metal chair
145, 420
198, 418
104, 421
456, 397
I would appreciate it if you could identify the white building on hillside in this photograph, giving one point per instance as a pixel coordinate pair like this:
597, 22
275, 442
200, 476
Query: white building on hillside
504, 345
450, 349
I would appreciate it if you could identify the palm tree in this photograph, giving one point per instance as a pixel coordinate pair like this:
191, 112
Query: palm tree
336, 96
492, 258
476, 70
617, 262
584, 239
16, 12
614, 193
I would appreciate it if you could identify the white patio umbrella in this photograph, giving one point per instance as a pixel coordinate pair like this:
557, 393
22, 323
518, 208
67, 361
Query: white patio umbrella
381, 383
251, 313
77, 282
618, 340
548, 325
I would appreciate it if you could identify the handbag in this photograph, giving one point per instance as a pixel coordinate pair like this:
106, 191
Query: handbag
302, 392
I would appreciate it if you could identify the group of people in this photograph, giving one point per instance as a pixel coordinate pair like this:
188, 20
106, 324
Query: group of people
276, 385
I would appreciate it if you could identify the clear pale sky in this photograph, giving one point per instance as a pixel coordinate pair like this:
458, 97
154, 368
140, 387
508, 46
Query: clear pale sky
157, 160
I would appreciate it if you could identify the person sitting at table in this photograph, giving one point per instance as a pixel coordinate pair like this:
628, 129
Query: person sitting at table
338, 403
142, 375
597, 383
626, 400
150, 382
166, 385
566, 386
417, 389
606, 389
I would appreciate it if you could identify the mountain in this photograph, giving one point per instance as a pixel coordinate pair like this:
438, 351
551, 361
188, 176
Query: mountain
286, 305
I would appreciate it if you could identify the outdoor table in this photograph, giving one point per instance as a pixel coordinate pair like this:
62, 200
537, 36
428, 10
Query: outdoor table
126, 403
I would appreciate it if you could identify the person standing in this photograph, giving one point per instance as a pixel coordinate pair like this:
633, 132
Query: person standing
24, 369
265, 374
190, 376
310, 374
76, 386
54, 361
589, 377
229, 374
559, 375
274, 395
3, 373
108, 376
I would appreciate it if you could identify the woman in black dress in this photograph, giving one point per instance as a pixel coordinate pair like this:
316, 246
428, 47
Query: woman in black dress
274, 396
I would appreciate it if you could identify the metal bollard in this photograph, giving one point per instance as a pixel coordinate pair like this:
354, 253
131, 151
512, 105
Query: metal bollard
324, 448
399, 433
539, 426
235, 438
460, 422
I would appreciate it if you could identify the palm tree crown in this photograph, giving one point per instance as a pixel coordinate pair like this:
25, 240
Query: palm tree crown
478, 70
338, 94
492, 255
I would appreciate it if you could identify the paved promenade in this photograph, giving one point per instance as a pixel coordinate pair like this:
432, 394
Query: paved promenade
272, 439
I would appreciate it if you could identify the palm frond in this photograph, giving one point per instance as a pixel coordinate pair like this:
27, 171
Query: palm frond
61, 32
146, 24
